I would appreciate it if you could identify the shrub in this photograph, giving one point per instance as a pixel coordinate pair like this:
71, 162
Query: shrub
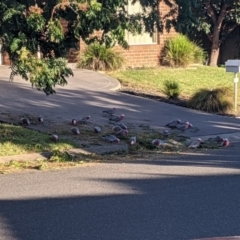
214, 101
180, 52
99, 57
171, 89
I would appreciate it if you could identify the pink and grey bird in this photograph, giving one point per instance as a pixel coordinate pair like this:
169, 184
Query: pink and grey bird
40, 119
122, 125
110, 111
97, 129
216, 139
74, 122
225, 142
116, 118
157, 142
116, 129
183, 126
84, 120
133, 140
111, 138
54, 138
25, 121
122, 133
195, 144
174, 123
75, 131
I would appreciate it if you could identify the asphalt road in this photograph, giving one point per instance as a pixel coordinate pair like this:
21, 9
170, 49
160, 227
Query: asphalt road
88, 93
182, 197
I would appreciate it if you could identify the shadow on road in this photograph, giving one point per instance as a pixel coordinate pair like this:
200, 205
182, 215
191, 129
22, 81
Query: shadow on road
160, 206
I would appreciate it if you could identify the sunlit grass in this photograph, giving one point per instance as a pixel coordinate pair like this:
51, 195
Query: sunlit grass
190, 80
16, 140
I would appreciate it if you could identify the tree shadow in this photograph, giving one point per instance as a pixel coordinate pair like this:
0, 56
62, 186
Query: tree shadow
155, 206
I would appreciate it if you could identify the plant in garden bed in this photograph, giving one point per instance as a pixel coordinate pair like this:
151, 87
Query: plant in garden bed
211, 100
171, 89
181, 52
99, 57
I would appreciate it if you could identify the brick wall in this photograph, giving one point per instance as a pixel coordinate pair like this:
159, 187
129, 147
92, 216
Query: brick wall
145, 54
136, 55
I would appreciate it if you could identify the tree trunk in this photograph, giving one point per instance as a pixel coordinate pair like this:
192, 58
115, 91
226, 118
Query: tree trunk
215, 49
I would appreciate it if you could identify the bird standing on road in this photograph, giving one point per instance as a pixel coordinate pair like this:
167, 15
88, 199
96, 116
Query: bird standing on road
195, 144
225, 142
174, 123
84, 120
110, 111
97, 129
122, 133
111, 138
116, 118
133, 140
54, 138
25, 121
157, 142
74, 122
183, 126
75, 131
40, 119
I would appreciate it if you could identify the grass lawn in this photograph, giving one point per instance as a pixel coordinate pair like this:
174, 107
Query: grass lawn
16, 140
150, 80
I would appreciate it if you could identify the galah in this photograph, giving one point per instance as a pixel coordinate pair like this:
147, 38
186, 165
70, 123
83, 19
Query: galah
216, 139
75, 131
225, 142
122, 133
157, 142
40, 119
195, 144
116, 129
174, 123
110, 111
166, 132
97, 129
25, 121
116, 118
74, 122
84, 120
183, 126
54, 138
133, 140
122, 125
111, 138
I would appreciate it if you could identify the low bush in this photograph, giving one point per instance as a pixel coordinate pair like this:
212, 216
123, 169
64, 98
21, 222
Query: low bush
171, 89
213, 101
98, 57
181, 52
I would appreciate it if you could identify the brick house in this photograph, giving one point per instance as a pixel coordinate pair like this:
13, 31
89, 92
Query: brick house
144, 50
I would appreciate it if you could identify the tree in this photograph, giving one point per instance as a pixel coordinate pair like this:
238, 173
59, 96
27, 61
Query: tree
30, 26
215, 18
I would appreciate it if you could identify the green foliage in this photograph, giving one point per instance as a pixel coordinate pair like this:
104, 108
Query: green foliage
180, 52
99, 57
216, 19
171, 89
214, 101
27, 26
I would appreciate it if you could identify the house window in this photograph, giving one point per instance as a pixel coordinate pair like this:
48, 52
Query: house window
143, 38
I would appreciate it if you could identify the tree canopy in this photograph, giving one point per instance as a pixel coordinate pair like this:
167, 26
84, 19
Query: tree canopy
216, 18
30, 26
